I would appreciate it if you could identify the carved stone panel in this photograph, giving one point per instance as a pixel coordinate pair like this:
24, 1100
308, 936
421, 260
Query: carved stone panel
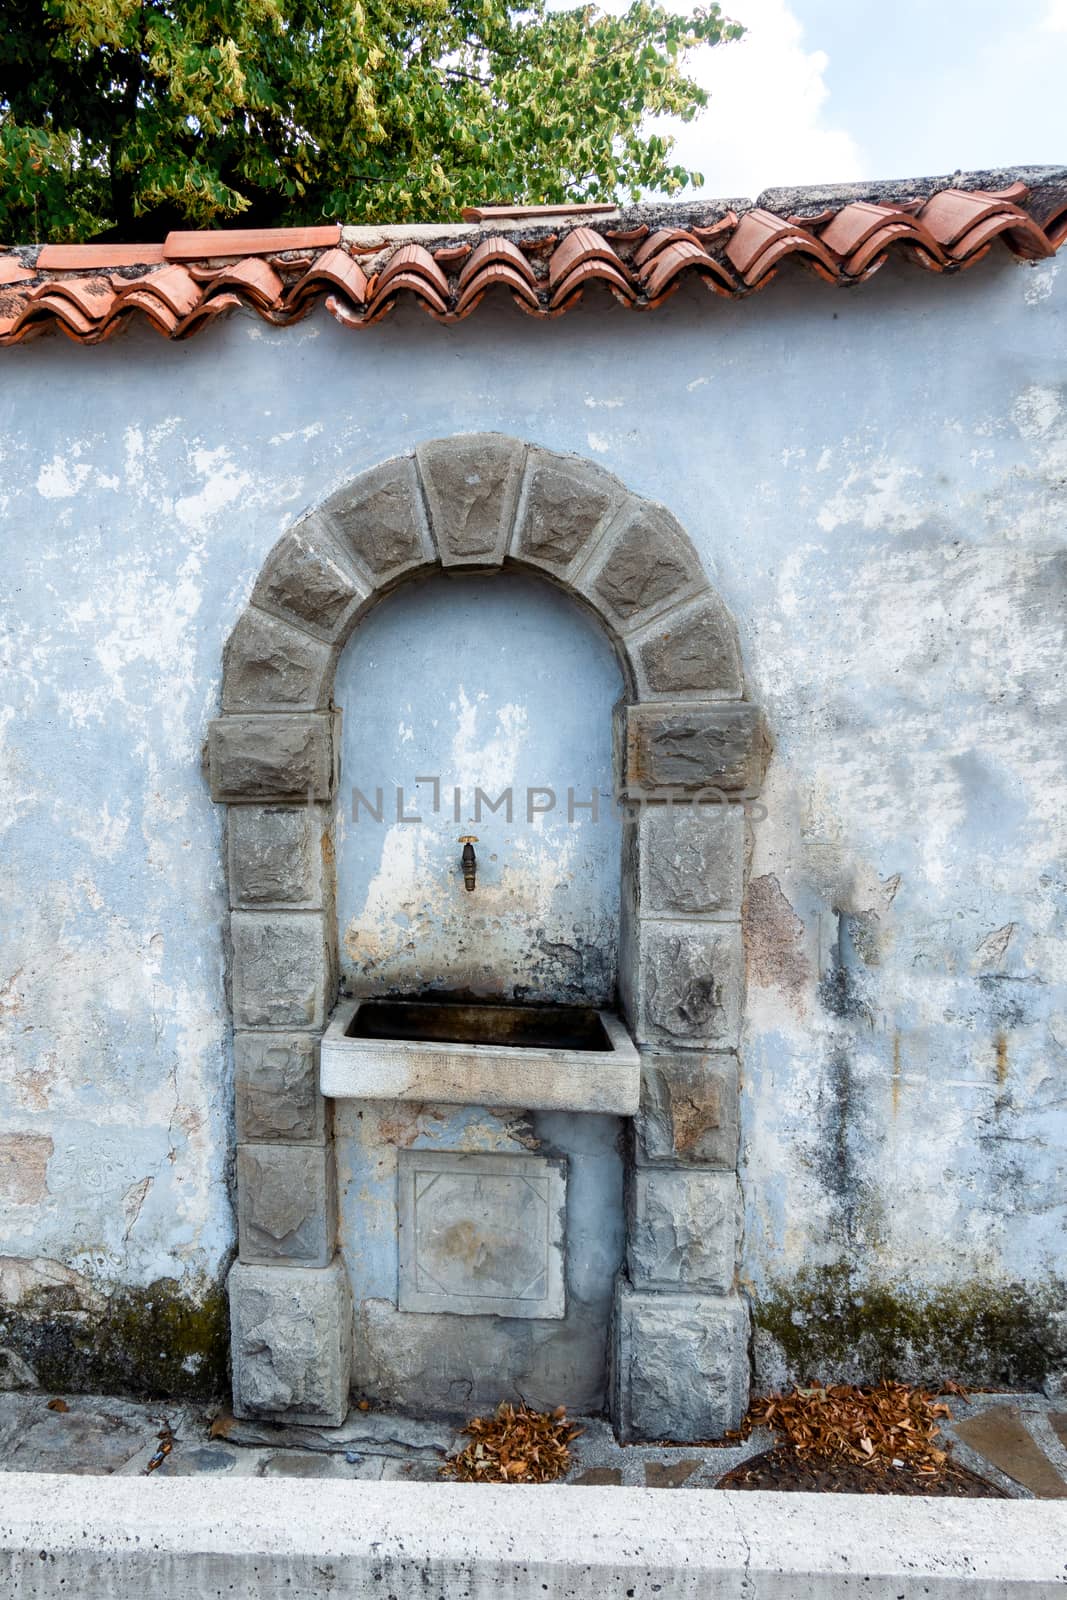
481, 1234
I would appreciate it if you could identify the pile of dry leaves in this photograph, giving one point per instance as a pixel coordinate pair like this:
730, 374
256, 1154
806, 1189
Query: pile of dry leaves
516, 1445
893, 1425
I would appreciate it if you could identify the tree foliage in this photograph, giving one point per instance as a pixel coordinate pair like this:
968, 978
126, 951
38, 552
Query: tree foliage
124, 117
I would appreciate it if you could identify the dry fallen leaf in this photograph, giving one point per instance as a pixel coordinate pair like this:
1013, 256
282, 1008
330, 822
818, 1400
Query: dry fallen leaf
517, 1445
58, 1405
881, 1427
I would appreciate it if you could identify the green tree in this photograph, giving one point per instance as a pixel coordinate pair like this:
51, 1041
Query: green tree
126, 117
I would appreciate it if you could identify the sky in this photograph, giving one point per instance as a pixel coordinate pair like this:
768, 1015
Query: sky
828, 91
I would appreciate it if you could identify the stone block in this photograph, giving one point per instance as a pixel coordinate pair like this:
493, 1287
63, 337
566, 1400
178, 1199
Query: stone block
481, 1234
565, 506
276, 856
285, 1204
269, 665
645, 566
688, 748
680, 1364
691, 652
689, 1110
281, 969
683, 1230
271, 758
682, 982
472, 485
691, 858
291, 1343
305, 579
276, 1088
381, 519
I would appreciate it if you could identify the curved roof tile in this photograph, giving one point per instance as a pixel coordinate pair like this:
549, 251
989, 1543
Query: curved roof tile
88, 292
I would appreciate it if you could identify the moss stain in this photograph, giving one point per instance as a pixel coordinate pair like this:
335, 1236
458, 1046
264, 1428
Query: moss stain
157, 1341
831, 1324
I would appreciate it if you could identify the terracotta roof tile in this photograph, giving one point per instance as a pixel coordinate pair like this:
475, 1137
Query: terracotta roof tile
201, 245
861, 233
680, 256
12, 270
965, 223
75, 257
532, 213
497, 274
414, 264
391, 282
762, 241
593, 270
88, 292
497, 249
578, 247
172, 287
658, 241
255, 279
334, 267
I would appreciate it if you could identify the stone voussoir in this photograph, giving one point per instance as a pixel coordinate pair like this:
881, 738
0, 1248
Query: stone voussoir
285, 1204
683, 1230
565, 507
276, 1089
291, 1342
644, 566
379, 518
308, 581
472, 486
689, 653
680, 1364
270, 665
689, 1110
271, 757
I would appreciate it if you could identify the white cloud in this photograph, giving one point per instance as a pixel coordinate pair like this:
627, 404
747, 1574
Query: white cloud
1055, 19
764, 124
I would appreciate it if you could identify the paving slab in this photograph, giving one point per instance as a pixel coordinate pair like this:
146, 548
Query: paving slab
407, 1438
999, 1435
85, 1435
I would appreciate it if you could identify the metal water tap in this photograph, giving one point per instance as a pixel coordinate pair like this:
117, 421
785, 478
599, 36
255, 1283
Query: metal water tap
469, 860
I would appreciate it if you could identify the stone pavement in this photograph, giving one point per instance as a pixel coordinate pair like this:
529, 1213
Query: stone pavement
1018, 1441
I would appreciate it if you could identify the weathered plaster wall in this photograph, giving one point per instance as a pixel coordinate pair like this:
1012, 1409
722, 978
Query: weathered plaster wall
498, 684
874, 480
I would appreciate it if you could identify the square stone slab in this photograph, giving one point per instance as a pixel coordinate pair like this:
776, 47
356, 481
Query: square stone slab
481, 1234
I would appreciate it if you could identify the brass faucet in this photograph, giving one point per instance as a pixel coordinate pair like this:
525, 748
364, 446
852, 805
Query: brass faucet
469, 859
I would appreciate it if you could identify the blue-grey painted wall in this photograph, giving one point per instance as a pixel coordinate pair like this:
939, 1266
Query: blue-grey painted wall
874, 480
499, 685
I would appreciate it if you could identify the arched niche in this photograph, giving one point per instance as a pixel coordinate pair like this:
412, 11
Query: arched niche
688, 753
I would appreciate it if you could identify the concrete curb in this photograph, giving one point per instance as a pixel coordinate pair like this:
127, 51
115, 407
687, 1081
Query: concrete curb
123, 1539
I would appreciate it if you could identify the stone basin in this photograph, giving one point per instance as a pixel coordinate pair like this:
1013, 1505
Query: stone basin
533, 1057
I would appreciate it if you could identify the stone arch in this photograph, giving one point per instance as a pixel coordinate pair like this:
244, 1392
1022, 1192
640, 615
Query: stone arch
684, 733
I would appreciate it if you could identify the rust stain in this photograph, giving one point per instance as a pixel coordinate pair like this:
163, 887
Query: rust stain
774, 934
1001, 1042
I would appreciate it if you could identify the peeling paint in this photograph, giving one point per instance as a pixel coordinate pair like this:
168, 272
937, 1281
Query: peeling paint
883, 511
